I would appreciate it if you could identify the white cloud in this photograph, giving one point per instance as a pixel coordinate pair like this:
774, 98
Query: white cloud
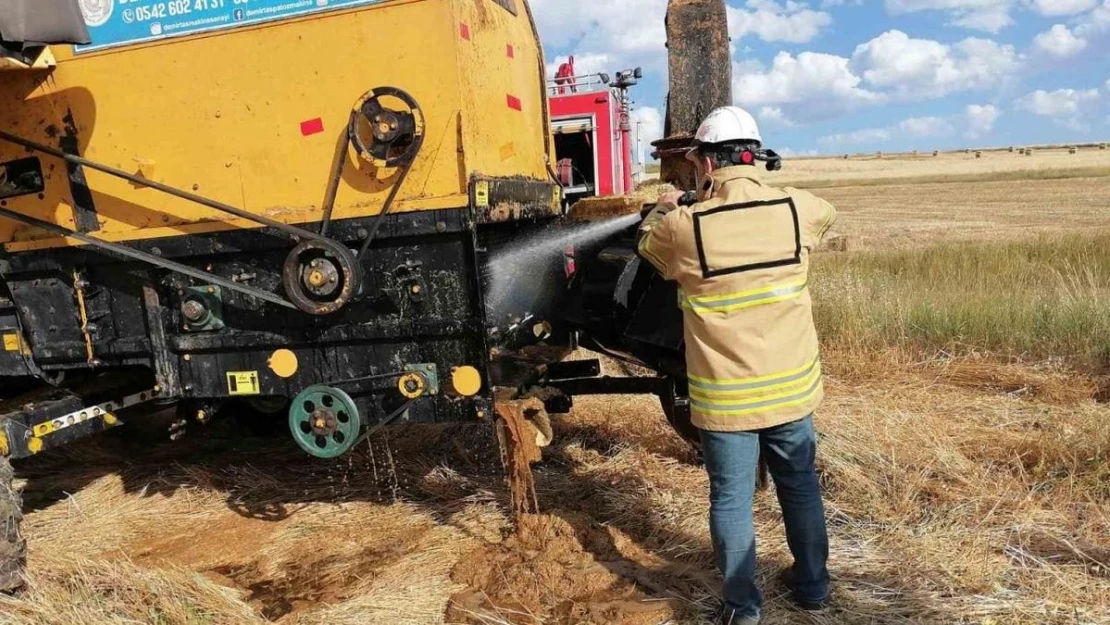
629, 32
975, 122
991, 20
981, 120
926, 127
926, 68
792, 22
1063, 7
1096, 22
857, 137
808, 87
1059, 42
650, 122
791, 153
1067, 107
989, 15
919, 127
773, 117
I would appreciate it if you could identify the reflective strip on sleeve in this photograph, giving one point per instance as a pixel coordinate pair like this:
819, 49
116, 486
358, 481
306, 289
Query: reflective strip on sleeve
746, 299
645, 250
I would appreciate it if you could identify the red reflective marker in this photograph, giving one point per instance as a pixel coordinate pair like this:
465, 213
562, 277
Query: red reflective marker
464, 31
312, 127
515, 103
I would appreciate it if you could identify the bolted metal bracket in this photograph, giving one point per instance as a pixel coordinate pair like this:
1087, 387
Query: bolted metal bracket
202, 308
431, 377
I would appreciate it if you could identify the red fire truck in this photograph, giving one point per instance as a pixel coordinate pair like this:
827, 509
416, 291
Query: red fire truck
590, 116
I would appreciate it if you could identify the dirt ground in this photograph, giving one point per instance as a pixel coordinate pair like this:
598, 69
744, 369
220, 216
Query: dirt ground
231, 528
975, 496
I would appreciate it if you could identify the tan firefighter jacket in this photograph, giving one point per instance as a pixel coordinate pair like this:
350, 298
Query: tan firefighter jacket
741, 260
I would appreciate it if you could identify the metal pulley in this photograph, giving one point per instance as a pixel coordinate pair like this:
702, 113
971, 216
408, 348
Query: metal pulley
387, 137
320, 277
324, 421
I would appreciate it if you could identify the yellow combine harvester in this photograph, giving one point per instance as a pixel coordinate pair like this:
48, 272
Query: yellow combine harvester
266, 200
249, 198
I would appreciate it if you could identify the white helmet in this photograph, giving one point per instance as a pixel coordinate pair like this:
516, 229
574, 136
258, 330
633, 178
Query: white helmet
728, 124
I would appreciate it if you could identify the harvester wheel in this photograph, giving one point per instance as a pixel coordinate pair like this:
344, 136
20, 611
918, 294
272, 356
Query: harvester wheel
12, 546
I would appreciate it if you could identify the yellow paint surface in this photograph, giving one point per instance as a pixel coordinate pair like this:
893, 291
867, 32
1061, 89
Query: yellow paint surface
220, 115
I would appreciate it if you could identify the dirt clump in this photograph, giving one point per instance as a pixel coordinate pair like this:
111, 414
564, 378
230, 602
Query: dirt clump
547, 572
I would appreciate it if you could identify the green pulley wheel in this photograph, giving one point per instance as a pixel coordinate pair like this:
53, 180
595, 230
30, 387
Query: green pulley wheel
324, 421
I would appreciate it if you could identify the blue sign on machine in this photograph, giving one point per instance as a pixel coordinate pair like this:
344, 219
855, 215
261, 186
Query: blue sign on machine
114, 23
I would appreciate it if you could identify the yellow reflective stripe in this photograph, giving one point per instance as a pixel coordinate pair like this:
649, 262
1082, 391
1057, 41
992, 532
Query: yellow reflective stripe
735, 410
646, 252
733, 392
784, 376
738, 301
706, 299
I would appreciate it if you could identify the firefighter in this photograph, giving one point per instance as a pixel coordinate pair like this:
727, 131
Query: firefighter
740, 256
565, 76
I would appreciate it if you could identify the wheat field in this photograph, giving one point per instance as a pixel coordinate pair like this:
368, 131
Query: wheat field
965, 455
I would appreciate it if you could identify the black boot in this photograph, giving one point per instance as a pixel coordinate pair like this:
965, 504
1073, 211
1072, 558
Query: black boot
803, 603
729, 616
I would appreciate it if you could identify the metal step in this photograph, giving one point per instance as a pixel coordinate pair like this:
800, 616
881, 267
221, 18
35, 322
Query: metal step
48, 418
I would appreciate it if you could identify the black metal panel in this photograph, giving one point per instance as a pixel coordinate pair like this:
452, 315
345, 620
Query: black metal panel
420, 304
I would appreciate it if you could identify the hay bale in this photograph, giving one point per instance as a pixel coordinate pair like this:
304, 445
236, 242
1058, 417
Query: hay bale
978, 155
840, 243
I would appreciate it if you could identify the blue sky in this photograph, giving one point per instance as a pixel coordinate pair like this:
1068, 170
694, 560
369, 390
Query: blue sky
836, 76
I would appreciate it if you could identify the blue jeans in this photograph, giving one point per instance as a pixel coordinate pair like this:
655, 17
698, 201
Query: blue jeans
732, 459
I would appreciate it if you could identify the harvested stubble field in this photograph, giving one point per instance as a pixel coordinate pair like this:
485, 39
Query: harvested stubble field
965, 452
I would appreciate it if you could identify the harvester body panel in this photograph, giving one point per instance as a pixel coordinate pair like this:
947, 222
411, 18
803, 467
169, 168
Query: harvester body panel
254, 116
